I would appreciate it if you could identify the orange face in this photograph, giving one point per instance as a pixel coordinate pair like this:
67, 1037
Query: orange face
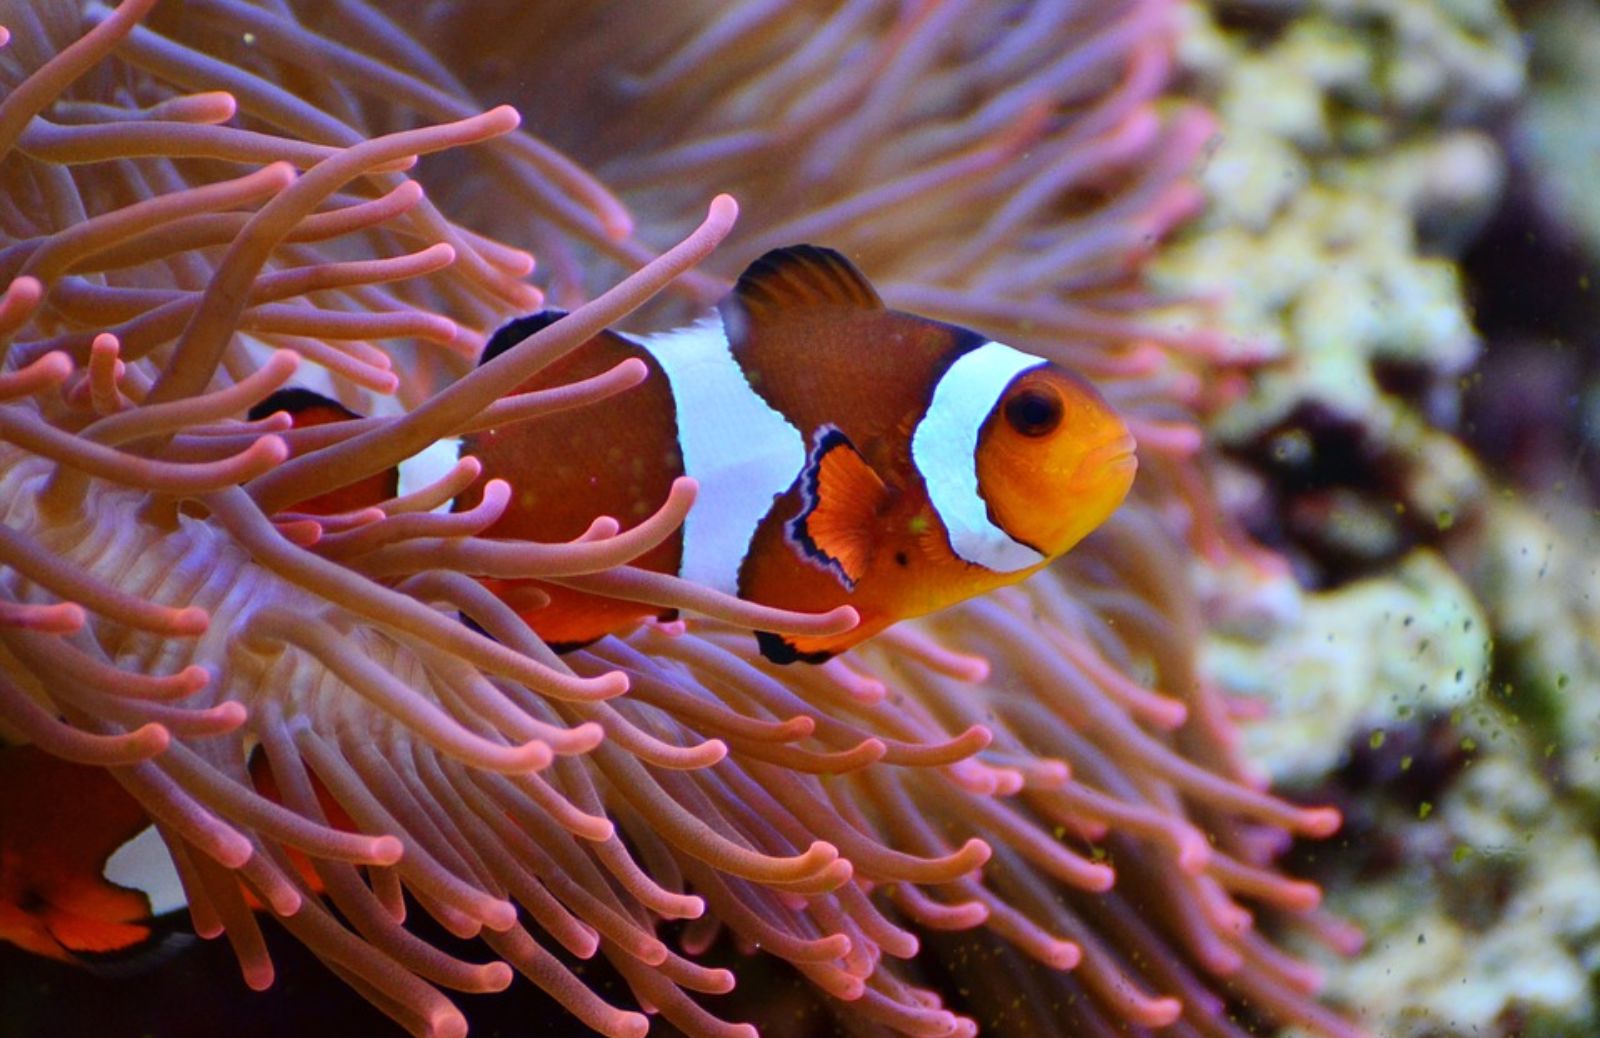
1054, 461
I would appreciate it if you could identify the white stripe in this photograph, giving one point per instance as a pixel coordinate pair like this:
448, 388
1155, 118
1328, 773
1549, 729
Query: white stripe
743, 453
945, 450
143, 864
429, 465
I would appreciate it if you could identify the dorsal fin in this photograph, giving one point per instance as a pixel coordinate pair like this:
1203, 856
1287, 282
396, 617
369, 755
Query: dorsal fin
309, 408
817, 344
297, 400
797, 277
515, 330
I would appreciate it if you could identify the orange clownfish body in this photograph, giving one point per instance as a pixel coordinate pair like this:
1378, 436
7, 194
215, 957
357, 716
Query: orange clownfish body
308, 409
83, 874
847, 454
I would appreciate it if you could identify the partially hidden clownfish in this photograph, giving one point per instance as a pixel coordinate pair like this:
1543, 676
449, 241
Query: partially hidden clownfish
846, 454
93, 883
84, 876
308, 409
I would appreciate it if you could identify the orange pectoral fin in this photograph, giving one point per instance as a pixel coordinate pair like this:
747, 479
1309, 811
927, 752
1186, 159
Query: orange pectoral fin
842, 498
28, 931
89, 936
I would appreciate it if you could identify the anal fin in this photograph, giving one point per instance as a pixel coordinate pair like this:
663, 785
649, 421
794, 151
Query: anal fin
780, 650
515, 330
841, 500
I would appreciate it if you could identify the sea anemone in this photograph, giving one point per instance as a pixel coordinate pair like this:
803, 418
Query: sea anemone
209, 200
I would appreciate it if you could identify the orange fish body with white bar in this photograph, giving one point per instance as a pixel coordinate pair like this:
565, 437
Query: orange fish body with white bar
83, 874
308, 409
846, 454
85, 877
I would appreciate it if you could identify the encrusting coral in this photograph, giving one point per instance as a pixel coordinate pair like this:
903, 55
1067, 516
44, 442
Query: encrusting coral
1387, 192
1355, 160
209, 200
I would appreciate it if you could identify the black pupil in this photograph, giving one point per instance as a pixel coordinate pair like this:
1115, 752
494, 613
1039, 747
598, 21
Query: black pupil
1034, 413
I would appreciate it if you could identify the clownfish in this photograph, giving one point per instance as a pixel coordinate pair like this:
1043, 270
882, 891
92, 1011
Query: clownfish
846, 454
94, 884
84, 876
308, 409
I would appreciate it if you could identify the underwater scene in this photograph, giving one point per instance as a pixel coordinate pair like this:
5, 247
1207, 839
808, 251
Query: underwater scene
791, 518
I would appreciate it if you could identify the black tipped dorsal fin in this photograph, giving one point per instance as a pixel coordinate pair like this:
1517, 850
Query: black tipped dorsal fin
800, 276
515, 330
816, 343
297, 400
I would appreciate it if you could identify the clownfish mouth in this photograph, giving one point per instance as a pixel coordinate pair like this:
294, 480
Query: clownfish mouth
1114, 456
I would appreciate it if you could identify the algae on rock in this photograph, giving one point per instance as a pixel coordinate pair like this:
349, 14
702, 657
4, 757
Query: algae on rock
1347, 135
1355, 160
1365, 658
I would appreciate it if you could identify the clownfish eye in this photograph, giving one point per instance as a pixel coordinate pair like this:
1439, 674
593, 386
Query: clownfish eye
1034, 412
